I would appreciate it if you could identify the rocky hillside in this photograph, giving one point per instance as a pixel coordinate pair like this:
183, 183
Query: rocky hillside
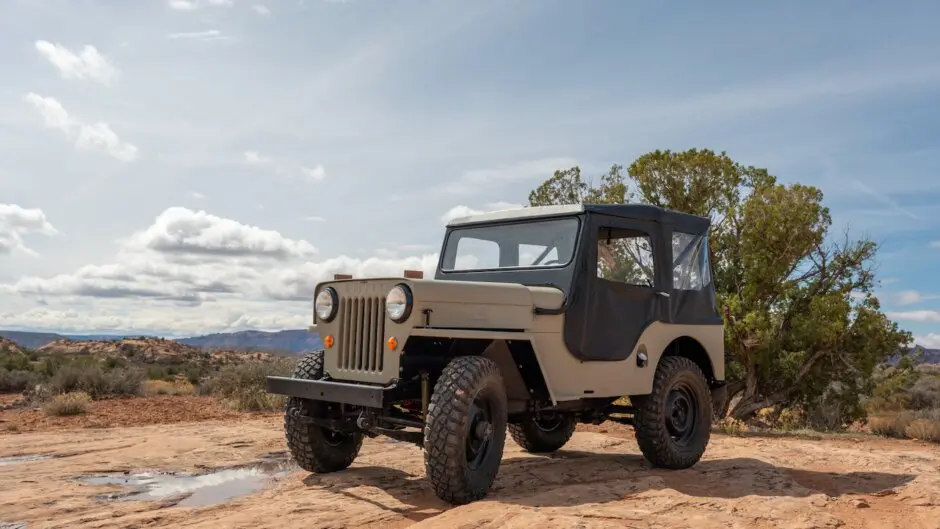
9, 346
150, 351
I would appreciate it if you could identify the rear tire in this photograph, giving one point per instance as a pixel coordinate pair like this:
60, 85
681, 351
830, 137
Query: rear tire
673, 423
544, 435
465, 429
316, 449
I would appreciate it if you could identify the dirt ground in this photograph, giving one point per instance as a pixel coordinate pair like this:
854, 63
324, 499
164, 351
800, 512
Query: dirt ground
598, 480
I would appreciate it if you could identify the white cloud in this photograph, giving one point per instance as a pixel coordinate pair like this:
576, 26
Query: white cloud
911, 297
253, 157
15, 221
923, 316
929, 340
181, 233
473, 181
89, 64
315, 218
95, 137
261, 9
195, 195
192, 5
237, 276
316, 174
208, 35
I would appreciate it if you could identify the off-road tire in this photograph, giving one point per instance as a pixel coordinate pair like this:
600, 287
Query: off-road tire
536, 440
653, 412
464, 380
314, 448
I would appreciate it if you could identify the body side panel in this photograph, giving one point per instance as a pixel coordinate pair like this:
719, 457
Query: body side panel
570, 378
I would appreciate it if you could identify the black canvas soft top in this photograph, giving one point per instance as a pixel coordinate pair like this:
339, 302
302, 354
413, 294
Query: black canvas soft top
681, 221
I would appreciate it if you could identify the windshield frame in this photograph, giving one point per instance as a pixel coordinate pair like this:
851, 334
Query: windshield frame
468, 228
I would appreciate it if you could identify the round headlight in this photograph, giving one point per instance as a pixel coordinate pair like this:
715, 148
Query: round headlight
398, 303
325, 304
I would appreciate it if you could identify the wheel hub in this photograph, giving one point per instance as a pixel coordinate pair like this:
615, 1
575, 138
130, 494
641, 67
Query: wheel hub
479, 434
680, 414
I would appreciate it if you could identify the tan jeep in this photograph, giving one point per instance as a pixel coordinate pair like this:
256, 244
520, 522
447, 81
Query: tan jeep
537, 318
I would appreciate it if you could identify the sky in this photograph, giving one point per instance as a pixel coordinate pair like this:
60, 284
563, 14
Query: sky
182, 167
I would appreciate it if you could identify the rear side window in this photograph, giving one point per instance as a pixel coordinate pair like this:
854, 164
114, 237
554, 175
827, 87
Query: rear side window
690, 266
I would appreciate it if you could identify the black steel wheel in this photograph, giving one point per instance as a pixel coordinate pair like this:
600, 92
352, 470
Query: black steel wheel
673, 423
315, 448
545, 433
465, 430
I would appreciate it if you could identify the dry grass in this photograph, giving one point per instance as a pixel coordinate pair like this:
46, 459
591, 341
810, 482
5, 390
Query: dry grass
924, 430
150, 388
74, 403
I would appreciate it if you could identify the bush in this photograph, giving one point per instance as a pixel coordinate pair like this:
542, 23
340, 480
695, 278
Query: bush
73, 403
924, 430
234, 379
254, 399
17, 381
163, 387
96, 382
891, 425
242, 386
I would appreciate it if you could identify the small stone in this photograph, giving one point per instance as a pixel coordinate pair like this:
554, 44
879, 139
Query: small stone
859, 503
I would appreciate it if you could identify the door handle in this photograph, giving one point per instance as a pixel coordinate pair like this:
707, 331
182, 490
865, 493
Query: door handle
663, 294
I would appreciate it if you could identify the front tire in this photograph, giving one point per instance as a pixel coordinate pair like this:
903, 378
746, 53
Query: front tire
544, 434
465, 429
673, 423
316, 449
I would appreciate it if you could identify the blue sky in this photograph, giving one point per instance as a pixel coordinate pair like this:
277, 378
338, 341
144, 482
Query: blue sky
285, 140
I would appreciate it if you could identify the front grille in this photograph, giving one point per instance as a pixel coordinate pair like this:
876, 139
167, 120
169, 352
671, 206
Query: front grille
362, 334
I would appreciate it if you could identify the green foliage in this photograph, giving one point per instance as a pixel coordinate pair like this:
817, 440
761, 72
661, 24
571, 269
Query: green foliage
803, 327
243, 386
96, 382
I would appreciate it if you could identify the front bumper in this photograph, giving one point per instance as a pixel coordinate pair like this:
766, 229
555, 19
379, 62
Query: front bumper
327, 390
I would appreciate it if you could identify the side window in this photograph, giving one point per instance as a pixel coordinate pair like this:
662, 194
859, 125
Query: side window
474, 254
690, 261
625, 256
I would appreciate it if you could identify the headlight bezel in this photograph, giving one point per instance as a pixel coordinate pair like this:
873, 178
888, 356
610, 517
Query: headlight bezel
409, 303
334, 300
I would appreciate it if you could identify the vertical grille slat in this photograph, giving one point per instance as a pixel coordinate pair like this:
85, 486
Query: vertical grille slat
362, 334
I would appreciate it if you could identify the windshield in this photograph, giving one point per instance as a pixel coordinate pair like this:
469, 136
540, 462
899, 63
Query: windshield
535, 244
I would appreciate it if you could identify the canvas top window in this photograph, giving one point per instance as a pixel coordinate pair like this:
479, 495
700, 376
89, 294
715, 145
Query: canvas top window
625, 256
691, 269
534, 244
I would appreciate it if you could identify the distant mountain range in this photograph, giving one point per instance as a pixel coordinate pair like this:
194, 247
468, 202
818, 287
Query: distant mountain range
290, 341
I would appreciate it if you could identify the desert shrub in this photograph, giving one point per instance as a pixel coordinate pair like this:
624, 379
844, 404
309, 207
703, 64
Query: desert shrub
924, 430
96, 382
254, 399
731, 426
163, 387
72, 403
233, 379
112, 362
242, 386
11, 361
891, 424
925, 394
17, 381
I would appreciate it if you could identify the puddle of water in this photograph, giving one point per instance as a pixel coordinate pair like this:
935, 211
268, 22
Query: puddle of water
193, 490
16, 460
